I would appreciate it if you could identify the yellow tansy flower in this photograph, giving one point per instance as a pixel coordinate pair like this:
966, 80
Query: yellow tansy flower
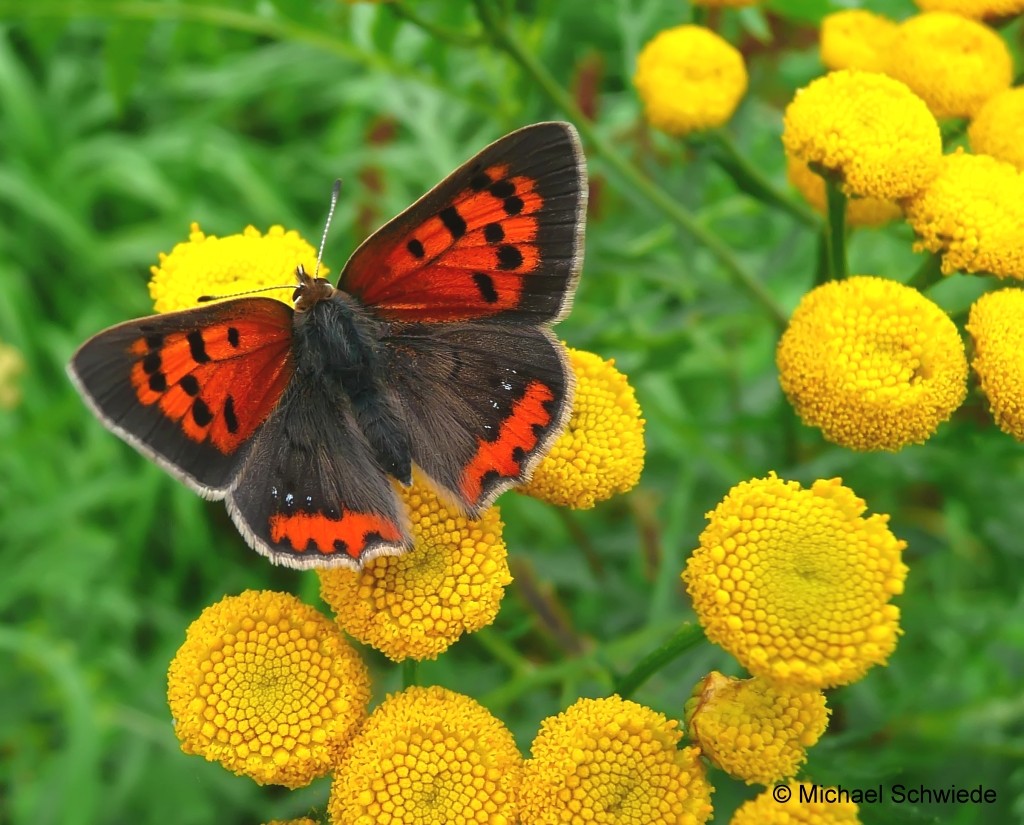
601, 452
869, 130
765, 809
614, 761
425, 756
996, 323
303, 821
997, 127
872, 363
973, 214
952, 63
855, 39
796, 583
859, 211
12, 365
208, 265
689, 78
418, 604
752, 729
268, 687
976, 9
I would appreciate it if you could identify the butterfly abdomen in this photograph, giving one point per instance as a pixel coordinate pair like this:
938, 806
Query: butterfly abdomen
337, 348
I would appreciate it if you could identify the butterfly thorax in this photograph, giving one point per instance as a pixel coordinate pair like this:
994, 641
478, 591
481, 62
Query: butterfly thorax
337, 350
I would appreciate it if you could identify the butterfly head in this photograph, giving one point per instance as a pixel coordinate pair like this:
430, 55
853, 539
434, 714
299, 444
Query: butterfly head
310, 290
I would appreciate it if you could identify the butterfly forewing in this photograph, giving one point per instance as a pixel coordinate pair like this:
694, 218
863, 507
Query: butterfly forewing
190, 388
502, 236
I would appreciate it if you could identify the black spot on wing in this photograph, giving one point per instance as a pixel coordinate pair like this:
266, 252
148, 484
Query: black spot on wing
493, 233
229, 415
233, 338
502, 189
453, 222
485, 284
416, 248
513, 205
197, 347
201, 413
151, 363
158, 382
189, 384
509, 257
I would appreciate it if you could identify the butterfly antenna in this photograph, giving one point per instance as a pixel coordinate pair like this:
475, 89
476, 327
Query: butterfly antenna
335, 192
202, 299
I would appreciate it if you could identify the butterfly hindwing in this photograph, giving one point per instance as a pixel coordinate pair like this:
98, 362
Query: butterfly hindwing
483, 402
189, 389
311, 492
502, 236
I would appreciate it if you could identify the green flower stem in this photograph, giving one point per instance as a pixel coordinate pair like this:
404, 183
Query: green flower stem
748, 178
689, 635
836, 201
456, 38
657, 196
928, 273
410, 673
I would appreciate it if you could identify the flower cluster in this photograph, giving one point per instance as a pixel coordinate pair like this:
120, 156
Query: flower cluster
689, 79
771, 808
796, 583
868, 130
996, 325
873, 363
267, 686
418, 604
972, 214
601, 452
855, 39
612, 760
998, 125
753, 729
428, 755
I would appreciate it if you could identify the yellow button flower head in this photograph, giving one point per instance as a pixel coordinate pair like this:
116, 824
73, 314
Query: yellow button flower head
613, 761
428, 756
303, 821
973, 214
601, 452
12, 365
418, 604
689, 78
868, 129
996, 324
952, 63
208, 265
976, 9
796, 583
997, 127
873, 363
267, 686
752, 729
855, 39
764, 809
859, 211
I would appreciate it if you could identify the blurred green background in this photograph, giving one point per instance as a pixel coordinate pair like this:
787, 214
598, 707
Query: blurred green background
121, 122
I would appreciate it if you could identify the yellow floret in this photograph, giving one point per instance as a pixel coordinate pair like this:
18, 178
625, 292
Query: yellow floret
952, 63
267, 686
796, 583
869, 130
996, 324
752, 729
689, 78
428, 756
976, 9
973, 215
612, 760
872, 363
998, 127
601, 452
855, 39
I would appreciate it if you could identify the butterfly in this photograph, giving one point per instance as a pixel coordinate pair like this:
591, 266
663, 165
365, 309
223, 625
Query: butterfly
435, 350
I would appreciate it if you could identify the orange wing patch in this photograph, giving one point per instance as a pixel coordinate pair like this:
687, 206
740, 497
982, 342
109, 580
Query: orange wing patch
219, 382
517, 437
350, 534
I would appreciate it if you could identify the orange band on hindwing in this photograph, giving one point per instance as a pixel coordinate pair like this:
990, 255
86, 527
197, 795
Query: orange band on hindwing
350, 534
518, 435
